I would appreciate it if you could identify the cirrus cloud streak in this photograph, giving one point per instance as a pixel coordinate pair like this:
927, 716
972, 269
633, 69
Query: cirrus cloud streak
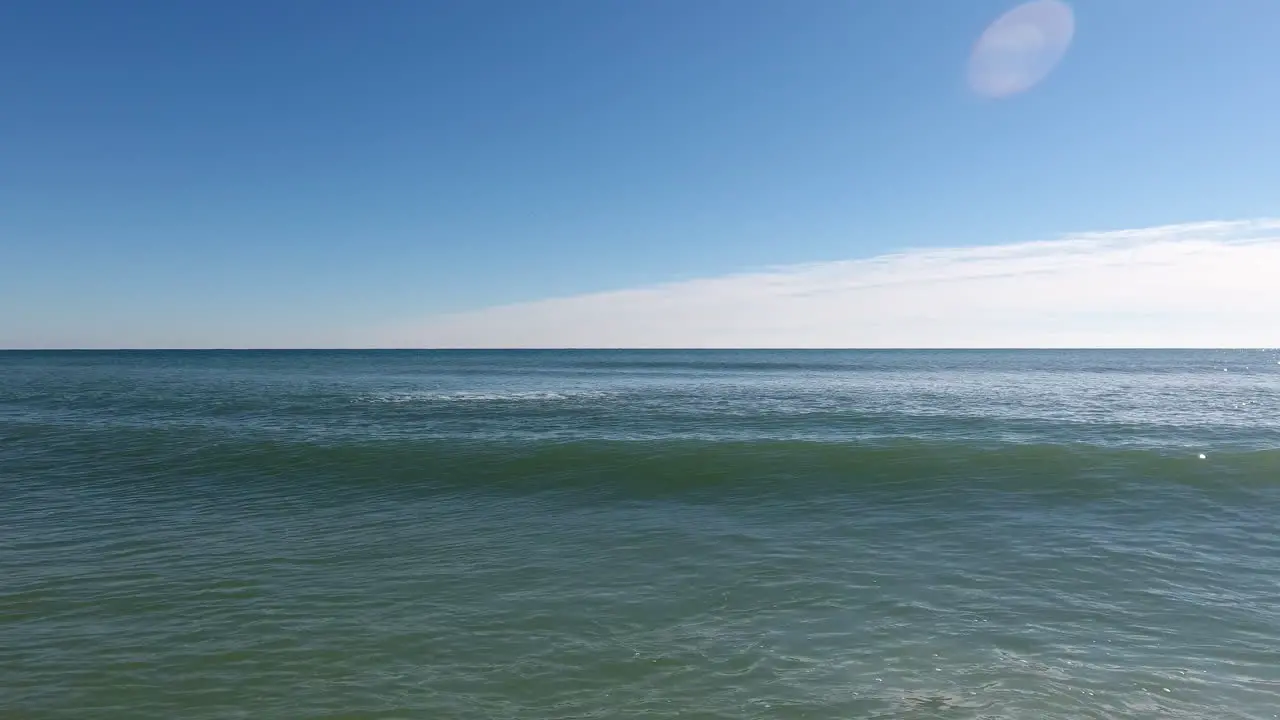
1210, 284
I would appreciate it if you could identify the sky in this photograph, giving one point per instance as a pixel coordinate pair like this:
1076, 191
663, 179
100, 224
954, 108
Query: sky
639, 173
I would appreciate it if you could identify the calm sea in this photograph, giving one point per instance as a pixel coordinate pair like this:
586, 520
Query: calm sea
538, 535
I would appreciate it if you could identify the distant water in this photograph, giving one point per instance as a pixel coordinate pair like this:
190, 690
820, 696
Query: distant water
703, 535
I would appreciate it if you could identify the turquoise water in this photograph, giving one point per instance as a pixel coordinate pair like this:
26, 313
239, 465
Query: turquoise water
640, 534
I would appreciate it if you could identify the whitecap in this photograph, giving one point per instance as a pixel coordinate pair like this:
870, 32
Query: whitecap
482, 397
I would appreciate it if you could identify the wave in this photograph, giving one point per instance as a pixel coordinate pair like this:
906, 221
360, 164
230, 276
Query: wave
635, 468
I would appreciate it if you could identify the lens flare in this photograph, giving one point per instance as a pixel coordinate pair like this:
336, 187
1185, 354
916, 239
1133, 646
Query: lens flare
1021, 48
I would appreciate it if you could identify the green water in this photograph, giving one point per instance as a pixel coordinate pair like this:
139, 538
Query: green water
647, 534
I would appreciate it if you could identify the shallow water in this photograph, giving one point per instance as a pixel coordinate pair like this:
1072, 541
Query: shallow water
640, 534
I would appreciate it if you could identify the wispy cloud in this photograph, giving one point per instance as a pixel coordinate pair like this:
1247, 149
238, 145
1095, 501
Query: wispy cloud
1211, 284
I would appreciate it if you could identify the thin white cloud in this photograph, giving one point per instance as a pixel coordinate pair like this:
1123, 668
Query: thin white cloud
1212, 284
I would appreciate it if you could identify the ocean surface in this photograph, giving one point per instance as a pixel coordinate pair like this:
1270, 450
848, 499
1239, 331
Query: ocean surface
765, 534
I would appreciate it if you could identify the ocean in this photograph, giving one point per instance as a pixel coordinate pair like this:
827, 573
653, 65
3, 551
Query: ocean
640, 534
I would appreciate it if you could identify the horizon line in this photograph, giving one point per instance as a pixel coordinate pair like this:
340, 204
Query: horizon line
632, 349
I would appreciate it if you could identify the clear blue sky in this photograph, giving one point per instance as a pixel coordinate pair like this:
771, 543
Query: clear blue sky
311, 164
